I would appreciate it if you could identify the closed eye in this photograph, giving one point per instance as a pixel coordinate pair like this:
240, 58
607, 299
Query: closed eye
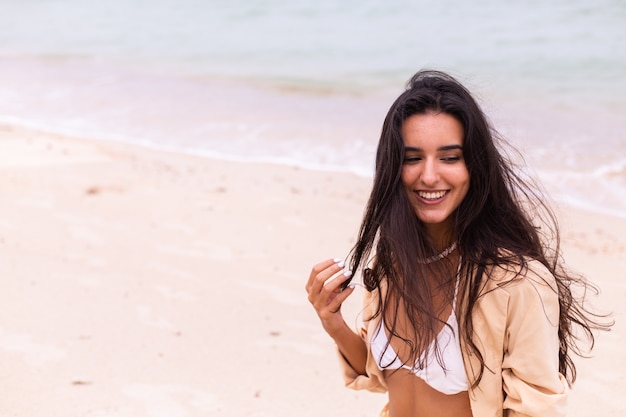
412, 159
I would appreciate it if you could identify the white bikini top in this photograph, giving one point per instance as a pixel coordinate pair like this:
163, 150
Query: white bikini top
448, 380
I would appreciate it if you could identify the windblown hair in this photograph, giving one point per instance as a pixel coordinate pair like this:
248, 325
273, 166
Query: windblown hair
502, 221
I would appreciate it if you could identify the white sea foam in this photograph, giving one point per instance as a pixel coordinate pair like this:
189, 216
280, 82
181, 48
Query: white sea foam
229, 84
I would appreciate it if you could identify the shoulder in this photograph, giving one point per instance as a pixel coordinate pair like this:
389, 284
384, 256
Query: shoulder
518, 304
524, 286
516, 275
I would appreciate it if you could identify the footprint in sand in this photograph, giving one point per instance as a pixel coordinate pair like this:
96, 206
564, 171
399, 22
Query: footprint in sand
109, 412
278, 293
302, 347
85, 258
172, 400
86, 236
146, 317
35, 354
181, 251
172, 294
37, 202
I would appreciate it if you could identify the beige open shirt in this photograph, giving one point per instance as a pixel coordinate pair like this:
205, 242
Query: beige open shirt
516, 330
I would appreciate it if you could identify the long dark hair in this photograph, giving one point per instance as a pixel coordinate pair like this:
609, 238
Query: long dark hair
502, 221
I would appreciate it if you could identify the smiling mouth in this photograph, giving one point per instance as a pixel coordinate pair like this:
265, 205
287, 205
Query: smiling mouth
431, 195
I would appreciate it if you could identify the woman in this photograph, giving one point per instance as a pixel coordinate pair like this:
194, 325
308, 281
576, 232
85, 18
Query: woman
469, 311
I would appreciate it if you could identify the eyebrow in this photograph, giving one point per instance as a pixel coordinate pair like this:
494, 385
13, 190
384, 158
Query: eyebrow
439, 149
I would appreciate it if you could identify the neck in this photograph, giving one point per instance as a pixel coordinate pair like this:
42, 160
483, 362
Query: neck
441, 235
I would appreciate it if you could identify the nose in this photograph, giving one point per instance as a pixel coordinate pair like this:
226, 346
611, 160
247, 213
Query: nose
430, 173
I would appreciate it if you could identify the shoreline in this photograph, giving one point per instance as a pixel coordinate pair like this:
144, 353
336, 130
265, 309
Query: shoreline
148, 283
615, 172
331, 131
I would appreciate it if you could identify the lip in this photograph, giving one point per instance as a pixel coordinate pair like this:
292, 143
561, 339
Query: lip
431, 197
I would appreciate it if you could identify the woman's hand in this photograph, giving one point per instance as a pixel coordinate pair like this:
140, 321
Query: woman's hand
325, 294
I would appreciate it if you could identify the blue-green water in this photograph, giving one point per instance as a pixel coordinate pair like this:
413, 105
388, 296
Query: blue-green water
309, 82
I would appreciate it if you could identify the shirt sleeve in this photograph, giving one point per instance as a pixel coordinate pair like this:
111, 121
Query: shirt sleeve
532, 383
374, 380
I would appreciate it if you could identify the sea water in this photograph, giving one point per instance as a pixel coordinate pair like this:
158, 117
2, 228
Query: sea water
308, 82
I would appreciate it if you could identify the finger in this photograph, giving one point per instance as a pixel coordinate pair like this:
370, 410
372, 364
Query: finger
321, 273
334, 306
334, 285
330, 291
317, 268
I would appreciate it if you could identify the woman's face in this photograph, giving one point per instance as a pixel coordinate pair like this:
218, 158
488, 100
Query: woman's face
434, 173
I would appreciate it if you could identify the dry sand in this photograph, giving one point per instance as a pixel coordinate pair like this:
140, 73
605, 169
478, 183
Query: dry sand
142, 283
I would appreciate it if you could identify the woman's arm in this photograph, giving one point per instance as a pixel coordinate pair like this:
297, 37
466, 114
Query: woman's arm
325, 294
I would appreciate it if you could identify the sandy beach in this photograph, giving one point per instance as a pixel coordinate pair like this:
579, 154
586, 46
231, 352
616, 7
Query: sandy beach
144, 283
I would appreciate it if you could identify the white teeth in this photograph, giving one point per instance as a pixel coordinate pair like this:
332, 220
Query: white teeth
431, 196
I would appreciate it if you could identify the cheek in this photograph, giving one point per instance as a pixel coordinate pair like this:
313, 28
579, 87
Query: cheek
405, 177
464, 193
464, 177
461, 181
465, 185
